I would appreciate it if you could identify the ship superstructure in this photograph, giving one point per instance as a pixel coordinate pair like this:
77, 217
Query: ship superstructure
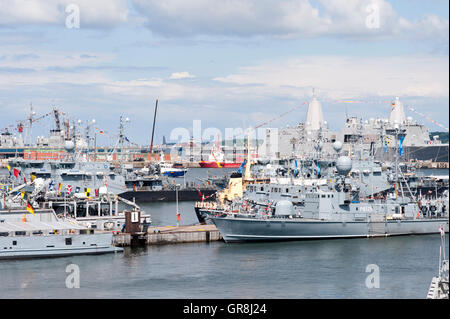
372, 135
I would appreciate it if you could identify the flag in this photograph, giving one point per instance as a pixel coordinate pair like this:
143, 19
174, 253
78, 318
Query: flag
24, 180
87, 191
30, 208
51, 185
242, 166
200, 193
441, 228
59, 188
96, 192
401, 145
9, 168
385, 146
68, 189
16, 172
33, 177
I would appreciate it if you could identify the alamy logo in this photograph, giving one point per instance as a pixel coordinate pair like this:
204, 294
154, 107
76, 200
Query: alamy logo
73, 277
73, 18
373, 279
373, 19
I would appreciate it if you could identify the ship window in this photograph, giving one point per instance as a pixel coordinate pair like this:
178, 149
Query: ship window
69, 241
14, 242
324, 196
287, 190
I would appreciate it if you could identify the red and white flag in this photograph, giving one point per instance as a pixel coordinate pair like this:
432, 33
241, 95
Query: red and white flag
104, 178
68, 189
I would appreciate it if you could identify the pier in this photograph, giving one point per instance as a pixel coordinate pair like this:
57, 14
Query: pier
172, 235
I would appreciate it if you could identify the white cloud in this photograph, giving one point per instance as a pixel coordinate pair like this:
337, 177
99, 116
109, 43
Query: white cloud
99, 13
289, 18
348, 77
181, 75
29, 59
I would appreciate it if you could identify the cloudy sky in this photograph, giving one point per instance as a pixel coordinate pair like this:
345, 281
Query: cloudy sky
228, 63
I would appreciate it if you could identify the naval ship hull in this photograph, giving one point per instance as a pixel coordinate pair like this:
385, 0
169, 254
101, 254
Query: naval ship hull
435, 153
248, 229
166, 195
204, 164
24, 247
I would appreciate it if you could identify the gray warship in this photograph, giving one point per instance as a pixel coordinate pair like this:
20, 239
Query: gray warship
326, 208
293, 178
301, 139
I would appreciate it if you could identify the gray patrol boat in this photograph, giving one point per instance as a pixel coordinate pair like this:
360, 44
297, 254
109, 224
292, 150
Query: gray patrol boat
331, 209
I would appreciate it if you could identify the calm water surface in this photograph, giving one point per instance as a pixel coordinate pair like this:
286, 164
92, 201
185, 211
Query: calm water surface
306, 269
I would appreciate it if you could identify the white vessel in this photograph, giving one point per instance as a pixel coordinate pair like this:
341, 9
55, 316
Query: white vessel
43, 234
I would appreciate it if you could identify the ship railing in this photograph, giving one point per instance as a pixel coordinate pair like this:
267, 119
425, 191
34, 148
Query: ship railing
29, 233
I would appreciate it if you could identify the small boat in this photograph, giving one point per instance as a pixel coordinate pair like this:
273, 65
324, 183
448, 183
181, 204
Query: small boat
43, 234
167, 169
217, 160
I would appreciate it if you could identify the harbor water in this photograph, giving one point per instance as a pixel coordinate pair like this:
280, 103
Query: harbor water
301, 269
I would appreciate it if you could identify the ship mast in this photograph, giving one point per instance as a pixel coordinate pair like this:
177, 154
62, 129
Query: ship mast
398, 132
153, 130
30, 127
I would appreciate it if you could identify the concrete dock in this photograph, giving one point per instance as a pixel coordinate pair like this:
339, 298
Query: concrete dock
172, 235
